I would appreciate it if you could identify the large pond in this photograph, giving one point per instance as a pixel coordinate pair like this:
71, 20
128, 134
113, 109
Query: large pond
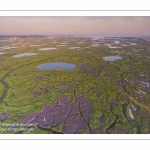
46, 49
57, 66
112, 58
24, 54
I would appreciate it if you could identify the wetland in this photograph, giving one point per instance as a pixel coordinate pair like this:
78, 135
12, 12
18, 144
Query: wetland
84, 86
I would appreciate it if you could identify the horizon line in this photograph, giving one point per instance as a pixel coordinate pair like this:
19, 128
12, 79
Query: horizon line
73, 35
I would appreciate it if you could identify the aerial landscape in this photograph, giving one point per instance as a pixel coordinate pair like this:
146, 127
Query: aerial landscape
75, 75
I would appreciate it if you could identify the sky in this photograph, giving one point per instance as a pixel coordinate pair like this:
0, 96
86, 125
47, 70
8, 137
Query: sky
75, 25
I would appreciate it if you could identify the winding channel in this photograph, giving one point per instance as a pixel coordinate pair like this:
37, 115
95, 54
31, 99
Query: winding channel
6, 84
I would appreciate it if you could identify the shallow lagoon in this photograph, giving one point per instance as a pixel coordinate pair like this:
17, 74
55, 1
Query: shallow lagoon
57, 65
133, 44
73, 47
24, 54
61, 45
124, 45
109, 45
95, 45
46, 49
8, 47
116, 42
34, 45
5, 47
82, 42
112, 58
131, 115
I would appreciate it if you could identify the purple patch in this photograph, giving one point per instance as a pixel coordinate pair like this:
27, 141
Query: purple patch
93, 71
40, 120
83, 65
62, 84
41, 77
45, 90
70, 86
4, 116
113, 101
36, 93
29, 117
71, 116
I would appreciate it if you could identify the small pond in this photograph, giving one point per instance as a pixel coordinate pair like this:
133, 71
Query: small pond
74, 47
81, 42
46, 49
64, 43
124, 45
131, 115
133, 44
34, 45
24, 54
116, 42
57, 66
61, 45
95, 45
109, 45
8, 47
112, 58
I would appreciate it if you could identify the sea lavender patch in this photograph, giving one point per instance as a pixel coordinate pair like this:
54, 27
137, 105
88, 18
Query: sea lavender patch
4, 116
45, 89
36, 93
70, 116
29, 117
61, 84
83, 65
113, 101
69, 87
41, 77
93, 71
40, 120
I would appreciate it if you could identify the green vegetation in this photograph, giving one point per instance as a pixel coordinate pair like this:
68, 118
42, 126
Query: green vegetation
111, 87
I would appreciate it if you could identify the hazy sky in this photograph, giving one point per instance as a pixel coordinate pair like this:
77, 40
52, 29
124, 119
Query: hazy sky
102, 26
